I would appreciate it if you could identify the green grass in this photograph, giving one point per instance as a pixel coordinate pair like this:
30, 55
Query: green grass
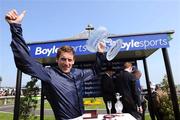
147, 116
9, 116
46, 105
6, 116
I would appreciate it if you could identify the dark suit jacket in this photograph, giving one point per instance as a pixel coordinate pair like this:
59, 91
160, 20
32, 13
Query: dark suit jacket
107, 85
125, 85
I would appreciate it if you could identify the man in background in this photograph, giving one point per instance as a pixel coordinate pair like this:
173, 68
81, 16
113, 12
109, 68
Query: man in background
124, 83
137, 75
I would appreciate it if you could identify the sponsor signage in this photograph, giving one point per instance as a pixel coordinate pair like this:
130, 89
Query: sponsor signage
130, 43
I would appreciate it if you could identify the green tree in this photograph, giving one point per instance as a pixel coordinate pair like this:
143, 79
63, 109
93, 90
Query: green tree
165, 101
28, 103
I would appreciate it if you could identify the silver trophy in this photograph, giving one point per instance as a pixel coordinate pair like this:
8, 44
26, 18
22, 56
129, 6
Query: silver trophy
101, 35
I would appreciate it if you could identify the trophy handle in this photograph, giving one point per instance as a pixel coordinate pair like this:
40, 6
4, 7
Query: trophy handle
114, 49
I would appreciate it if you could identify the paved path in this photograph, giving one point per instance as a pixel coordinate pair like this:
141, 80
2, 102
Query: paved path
10, 109
7, 108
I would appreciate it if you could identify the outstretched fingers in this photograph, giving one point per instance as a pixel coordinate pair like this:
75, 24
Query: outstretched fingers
11, 15
14, 15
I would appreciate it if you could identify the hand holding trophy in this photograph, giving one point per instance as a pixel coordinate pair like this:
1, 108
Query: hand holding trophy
98, 35
101, 35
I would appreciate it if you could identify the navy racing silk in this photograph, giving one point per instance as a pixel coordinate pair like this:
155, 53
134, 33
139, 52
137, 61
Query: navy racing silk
63, 91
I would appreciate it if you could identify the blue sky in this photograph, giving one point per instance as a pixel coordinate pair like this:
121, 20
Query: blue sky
57, 19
